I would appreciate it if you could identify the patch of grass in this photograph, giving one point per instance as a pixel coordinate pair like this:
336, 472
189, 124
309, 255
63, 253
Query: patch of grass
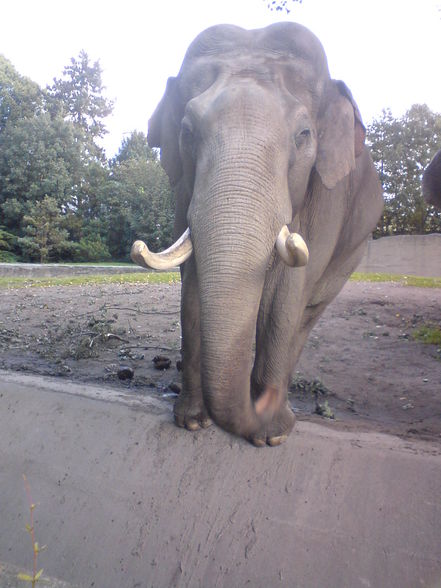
96, 263
430, 334
419, 282
301, 385
324, 410
130, 278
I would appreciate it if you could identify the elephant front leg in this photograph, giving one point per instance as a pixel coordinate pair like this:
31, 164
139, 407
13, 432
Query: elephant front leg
276, 352
189, 408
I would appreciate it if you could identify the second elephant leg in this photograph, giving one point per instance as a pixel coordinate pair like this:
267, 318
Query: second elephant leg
189, 409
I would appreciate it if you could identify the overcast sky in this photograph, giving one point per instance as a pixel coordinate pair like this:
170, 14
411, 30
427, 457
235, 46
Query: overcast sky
387, 51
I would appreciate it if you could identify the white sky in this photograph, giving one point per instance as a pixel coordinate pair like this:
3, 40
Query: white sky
387, 51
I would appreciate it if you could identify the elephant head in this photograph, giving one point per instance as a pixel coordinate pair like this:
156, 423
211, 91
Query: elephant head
432, 181
261, 147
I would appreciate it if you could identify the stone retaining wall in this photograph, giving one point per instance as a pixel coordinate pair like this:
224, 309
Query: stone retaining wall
56, 270
415, 255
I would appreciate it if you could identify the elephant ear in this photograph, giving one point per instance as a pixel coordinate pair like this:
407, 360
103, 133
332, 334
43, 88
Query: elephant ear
164, 128
432, 181
341, 134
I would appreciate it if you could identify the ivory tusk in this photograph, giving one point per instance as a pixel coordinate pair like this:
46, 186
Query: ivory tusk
179, 252
292, 248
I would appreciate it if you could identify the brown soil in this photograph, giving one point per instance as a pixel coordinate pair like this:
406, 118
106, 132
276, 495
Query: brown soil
361, 364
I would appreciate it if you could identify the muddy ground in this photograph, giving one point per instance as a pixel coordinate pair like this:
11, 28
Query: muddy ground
361, 368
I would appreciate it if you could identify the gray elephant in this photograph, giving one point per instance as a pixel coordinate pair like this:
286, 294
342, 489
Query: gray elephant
432, 181
275, 197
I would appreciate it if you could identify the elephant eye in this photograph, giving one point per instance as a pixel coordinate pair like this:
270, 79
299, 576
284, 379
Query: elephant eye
302, 137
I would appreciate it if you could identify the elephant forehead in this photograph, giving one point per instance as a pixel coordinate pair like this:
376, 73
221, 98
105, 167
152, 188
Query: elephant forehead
285, 55
276, 72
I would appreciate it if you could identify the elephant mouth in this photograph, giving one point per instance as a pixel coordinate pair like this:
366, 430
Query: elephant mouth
290, 246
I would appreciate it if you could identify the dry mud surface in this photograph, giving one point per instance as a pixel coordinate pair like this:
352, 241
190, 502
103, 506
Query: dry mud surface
361, 365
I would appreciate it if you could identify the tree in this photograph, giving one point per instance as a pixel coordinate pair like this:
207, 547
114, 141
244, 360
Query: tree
45, 238
39, 156
7, 242
280, 5
401, 149
79, 95
19, 97
135, 147
140, 201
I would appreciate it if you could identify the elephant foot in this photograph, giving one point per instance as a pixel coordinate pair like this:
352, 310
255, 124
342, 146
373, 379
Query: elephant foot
190, 413
277, 430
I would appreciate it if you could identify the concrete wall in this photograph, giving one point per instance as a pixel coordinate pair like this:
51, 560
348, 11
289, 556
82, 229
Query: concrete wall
55, 270
415, 255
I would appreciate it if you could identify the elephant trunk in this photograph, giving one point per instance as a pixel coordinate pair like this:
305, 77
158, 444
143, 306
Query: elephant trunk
234, 227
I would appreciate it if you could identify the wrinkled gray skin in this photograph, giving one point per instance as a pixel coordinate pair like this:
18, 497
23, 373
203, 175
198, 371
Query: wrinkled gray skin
432, 181
254, 135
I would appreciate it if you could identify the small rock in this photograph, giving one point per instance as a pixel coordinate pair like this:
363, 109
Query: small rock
161, 362
174, 388
125, 373
180, 367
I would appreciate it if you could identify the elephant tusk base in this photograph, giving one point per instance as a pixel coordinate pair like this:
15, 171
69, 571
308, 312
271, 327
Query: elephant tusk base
168, 259
292, 248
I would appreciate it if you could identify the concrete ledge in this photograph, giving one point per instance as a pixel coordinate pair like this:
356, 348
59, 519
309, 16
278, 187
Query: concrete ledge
125, 498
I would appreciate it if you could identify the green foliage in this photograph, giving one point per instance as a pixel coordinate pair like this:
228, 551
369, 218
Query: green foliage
401, 149
8, 257
92, 250
135, 147
12, 211
7, 243
40, 157
79, 97
19, 97
48, 149
139, 199
6, 239
45, 239
429, 334
49, 146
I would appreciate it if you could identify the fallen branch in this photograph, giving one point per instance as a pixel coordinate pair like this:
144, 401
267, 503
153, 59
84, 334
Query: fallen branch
113, 336
147, 347
107, 336
171, 312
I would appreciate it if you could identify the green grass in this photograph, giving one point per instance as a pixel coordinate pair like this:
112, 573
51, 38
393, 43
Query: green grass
171, 277
130, 278
430, 334
417, 281
97, 263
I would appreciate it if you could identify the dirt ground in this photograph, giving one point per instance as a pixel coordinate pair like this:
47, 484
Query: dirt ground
361, 367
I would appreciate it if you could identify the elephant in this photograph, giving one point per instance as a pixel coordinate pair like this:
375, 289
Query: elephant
276, 195
432, 181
